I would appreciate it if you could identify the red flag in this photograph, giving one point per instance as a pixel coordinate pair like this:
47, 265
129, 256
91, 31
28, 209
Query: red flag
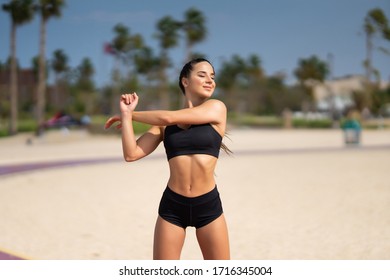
108, 49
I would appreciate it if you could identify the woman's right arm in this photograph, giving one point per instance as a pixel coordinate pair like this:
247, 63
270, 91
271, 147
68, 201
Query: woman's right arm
134, 149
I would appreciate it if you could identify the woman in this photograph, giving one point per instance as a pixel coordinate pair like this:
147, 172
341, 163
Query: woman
192, 138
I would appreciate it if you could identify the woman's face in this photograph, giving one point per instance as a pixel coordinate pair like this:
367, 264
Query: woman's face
201, 80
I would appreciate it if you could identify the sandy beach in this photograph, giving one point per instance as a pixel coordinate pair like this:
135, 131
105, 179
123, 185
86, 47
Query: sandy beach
287, 194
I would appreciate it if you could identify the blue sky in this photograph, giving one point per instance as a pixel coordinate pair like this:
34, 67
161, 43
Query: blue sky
280, 32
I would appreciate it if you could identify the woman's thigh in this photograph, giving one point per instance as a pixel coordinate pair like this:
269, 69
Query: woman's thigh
168, 240
213, 240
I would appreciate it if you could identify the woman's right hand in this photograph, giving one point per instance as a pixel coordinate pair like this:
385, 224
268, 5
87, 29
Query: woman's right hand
128, 102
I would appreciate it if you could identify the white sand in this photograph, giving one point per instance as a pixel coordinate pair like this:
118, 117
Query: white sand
287, 194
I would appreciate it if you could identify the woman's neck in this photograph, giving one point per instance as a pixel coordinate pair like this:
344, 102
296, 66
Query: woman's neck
190, 102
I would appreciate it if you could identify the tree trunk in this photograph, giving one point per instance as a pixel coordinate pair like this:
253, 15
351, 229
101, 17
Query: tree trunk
188, 53
115, 96
41, 98
164, 86
13, 125
368, 57
164, 92
56, 99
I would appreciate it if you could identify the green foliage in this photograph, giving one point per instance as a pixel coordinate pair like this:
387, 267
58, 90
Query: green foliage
98, 121
311, 68
145, 61
24, 125
380, 99
5, 108
50, 8
27, 125
85, 73
254, 120
275, 121
305, 123
121, 41
194, 26
60, 61
167, 32
376, 22
21, 11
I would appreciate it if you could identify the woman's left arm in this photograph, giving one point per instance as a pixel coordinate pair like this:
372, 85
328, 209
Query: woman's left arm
212, 111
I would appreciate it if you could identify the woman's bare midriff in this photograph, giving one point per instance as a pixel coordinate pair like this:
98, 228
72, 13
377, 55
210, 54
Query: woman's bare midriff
192, 175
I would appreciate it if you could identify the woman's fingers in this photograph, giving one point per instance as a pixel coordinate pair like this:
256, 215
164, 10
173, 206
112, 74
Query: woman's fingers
129, 98
125, 99
135, 96
111, 121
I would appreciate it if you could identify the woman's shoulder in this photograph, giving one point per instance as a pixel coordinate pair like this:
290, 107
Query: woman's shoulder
215, 104
156, 130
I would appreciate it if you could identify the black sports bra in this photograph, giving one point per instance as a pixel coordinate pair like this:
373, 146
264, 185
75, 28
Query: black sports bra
197, 139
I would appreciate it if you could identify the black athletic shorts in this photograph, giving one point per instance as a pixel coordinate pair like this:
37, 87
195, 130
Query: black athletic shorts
190, 211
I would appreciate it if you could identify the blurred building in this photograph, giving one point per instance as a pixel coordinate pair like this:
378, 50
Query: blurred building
337, 94
27, 86
27, 89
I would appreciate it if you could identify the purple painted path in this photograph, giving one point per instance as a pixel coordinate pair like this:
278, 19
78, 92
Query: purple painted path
23, 167
6, 256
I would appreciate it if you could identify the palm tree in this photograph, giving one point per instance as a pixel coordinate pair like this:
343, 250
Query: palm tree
167, 34
124, 46
59, 65
375, 22
255, 83
146, 63
310, 71
86, 71
228, 78
121, 42
311, 68
254, 69
46, 9
85, 83
240, 81
35, 66
119, 48
21, 11
194, 28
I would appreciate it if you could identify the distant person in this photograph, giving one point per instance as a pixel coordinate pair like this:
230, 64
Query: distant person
192, 138
85, 120
352, 128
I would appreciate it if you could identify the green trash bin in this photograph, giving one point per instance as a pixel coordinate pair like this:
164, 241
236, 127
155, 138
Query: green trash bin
352, 130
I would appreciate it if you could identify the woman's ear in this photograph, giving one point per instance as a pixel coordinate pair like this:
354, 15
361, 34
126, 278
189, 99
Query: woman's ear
184, 82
